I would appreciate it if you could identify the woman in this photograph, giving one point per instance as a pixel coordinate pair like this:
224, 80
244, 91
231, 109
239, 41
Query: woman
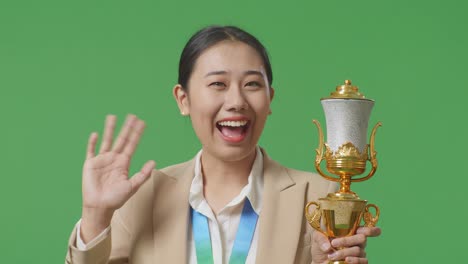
231, 203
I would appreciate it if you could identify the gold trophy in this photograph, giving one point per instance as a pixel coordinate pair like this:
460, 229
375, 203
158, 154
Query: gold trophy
346, 153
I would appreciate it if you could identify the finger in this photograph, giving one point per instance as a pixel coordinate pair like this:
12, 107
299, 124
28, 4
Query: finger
369, 231
354, 240
322, 241
140, 177
346, 252
123, 135
355, 260
91, 145
108, 134
134, 138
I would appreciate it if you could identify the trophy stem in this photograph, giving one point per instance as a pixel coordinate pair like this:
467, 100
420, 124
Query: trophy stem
345, 189
345, 184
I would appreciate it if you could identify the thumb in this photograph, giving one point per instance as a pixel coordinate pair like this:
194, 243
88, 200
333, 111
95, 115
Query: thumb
140, 177
320, 248
322, 241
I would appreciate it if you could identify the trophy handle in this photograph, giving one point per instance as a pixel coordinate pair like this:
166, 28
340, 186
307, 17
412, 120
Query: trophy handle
315, 217
319, 151
372, 155
369, 219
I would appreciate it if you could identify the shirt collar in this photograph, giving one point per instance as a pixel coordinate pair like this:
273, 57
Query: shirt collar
253, 190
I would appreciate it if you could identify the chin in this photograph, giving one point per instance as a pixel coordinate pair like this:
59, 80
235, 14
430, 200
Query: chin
232, 153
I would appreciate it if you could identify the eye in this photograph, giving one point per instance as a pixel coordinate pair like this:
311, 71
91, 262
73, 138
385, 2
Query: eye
217, 84
253, 84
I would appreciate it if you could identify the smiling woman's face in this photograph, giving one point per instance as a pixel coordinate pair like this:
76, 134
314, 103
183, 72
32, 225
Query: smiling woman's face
228, 100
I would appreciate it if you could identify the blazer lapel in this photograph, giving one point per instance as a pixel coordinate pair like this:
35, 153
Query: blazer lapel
281, 216
280, 219
171, 213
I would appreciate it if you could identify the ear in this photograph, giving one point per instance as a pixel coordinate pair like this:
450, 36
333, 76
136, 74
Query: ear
272, 95
181, 97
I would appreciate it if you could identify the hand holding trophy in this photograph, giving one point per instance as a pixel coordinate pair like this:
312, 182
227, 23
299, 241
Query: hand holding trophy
346, 154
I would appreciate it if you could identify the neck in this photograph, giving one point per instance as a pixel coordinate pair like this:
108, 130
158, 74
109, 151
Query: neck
223, 180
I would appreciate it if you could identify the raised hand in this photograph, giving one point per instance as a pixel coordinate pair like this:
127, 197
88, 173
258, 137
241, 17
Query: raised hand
106, 186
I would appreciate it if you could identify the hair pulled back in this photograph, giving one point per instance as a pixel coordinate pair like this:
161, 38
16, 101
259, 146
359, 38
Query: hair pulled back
209, 36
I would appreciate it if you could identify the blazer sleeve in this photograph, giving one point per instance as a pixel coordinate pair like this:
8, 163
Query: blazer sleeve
113, 249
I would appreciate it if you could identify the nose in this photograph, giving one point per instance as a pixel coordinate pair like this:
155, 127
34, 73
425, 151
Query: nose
235, 99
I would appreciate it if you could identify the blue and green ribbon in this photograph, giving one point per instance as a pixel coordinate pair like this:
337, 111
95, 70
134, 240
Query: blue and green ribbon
244, 236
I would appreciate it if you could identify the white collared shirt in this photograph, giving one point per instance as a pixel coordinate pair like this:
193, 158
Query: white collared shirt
222, 226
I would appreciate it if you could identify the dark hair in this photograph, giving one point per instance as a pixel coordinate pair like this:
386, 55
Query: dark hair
209, 36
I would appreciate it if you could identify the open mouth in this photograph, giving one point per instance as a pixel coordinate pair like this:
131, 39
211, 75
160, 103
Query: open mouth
233, 131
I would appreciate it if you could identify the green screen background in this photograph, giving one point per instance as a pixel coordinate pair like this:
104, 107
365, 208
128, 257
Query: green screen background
64, 65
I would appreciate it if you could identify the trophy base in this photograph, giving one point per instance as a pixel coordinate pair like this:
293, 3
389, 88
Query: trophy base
337, 262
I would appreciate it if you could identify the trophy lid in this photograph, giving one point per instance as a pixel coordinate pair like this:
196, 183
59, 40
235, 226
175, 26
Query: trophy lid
347, 91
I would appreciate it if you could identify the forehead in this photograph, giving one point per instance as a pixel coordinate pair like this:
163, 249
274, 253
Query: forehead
230, 56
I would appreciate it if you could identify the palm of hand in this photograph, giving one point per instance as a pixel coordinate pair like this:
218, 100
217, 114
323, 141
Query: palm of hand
105, 181
106, 185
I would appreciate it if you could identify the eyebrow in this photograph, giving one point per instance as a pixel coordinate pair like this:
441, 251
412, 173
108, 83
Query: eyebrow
215, 73
249, 72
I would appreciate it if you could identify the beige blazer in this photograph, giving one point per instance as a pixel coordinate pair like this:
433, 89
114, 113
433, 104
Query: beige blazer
153, 226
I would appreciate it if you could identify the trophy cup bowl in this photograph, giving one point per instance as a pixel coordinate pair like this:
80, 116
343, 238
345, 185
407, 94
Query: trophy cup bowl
346, 154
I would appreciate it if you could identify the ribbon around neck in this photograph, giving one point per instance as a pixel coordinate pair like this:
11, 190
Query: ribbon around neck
242, 243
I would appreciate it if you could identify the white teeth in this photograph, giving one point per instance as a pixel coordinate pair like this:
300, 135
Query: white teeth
233, 123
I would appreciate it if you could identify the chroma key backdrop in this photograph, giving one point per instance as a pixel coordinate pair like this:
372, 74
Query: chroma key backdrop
65, 65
